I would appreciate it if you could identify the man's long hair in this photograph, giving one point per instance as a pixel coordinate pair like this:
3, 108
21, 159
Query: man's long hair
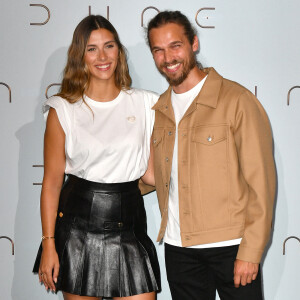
166, 17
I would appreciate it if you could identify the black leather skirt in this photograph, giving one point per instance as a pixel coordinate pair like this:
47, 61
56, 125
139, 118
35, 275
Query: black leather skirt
102, 242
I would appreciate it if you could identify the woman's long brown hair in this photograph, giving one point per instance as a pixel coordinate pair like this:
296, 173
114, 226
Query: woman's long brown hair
76, 75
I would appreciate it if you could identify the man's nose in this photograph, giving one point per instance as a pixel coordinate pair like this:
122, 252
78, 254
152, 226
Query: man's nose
168, 56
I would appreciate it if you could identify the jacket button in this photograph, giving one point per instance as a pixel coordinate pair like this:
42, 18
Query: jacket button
167, 159
170, 133
209, 139
120, 224
154, 141
60, 214
166, 185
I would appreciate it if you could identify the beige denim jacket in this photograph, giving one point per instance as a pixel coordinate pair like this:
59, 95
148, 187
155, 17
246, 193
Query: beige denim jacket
226, 172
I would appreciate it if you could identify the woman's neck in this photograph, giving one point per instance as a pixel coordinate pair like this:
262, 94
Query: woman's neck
102, 91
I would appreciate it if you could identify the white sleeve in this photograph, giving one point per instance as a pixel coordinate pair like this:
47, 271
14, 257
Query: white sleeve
61, 107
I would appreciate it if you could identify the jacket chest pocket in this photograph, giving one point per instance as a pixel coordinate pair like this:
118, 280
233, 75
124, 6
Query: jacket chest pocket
159, 167
210, 144
209, 158
157, 136
209, 135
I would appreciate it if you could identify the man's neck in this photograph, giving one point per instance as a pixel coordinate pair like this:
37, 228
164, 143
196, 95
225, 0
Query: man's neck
193, 78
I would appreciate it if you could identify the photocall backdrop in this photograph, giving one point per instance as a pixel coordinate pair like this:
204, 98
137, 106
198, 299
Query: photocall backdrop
253, 42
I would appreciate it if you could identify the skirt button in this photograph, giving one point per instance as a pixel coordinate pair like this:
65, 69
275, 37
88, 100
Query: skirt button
120, 224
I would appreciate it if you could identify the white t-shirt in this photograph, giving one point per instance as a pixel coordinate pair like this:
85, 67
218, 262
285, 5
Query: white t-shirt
181, 103
107, 142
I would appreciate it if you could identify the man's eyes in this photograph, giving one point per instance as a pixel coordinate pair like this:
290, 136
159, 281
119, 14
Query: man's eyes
173, 47
156, 50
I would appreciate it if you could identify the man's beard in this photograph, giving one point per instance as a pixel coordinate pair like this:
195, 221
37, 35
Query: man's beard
187, 67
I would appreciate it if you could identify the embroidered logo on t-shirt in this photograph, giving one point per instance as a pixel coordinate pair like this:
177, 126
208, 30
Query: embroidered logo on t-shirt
131, 119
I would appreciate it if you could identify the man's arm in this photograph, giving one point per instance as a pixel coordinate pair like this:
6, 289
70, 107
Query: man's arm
244, 272
253, 138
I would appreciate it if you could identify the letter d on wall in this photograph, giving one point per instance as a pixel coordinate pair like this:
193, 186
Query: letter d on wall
9, 90
12, 243
48, 11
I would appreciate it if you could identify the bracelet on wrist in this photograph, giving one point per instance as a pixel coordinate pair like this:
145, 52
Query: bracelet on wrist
47, 237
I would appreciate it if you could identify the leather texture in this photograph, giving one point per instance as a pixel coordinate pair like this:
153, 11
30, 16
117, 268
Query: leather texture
102, 242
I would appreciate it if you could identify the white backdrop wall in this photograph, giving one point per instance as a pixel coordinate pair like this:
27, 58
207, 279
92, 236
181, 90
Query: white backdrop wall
253, 42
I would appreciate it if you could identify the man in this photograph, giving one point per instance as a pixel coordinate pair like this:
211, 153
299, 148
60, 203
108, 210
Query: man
214, 171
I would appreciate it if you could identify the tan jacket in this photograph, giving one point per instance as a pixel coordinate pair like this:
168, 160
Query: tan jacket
226, 172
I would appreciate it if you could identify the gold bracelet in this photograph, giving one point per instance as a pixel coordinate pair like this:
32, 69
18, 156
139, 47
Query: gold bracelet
47, 237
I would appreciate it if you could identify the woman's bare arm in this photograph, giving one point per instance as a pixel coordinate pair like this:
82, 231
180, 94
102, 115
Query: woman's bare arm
148, 177
54, 167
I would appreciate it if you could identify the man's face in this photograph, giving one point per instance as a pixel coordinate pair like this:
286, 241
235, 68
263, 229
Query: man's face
173, 54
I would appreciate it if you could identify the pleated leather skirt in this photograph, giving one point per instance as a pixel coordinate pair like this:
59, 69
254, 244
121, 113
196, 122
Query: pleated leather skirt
102, 242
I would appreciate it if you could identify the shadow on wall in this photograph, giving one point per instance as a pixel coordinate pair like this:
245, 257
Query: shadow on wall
27, 221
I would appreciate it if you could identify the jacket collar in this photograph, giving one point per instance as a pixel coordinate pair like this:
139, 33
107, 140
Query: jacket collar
164, 104
208, 95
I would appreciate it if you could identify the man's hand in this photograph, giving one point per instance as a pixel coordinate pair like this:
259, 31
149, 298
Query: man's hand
244, 272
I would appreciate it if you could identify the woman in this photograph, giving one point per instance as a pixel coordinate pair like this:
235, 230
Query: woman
98, 132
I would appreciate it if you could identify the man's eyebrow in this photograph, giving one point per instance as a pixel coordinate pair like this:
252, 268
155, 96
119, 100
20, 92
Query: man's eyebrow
175, 42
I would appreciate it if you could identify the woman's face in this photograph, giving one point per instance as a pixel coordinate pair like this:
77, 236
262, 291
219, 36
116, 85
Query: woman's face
101, 56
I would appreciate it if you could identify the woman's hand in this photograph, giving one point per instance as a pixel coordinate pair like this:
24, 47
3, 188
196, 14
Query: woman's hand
49, 265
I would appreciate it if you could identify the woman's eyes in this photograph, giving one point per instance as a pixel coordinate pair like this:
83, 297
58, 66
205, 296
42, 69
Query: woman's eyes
110, 46
91, 49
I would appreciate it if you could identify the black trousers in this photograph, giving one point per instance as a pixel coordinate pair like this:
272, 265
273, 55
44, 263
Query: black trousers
196, 274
